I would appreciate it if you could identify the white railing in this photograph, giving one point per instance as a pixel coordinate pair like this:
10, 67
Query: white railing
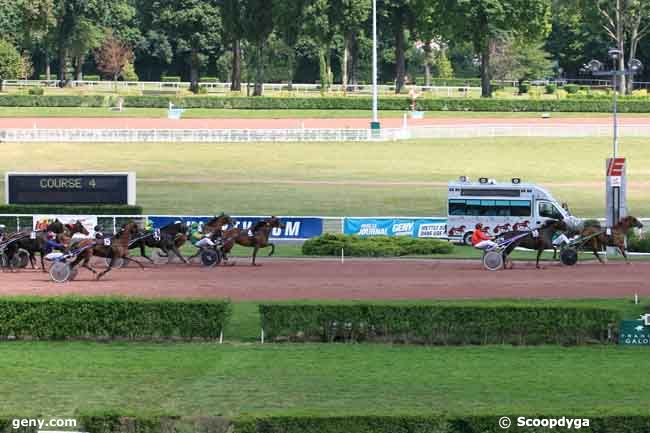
212, 87
34, 135
479, 131
196, 135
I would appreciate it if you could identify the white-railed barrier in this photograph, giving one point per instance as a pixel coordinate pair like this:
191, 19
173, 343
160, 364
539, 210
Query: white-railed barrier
28, 135
557, 130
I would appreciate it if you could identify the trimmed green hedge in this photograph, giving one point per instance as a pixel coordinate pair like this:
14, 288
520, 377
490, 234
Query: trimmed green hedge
56, 101
440, 323
429, 423
376, 246
75, 317
584, 104
70, 209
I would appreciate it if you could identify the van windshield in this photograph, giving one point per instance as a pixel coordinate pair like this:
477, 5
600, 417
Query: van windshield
548, 210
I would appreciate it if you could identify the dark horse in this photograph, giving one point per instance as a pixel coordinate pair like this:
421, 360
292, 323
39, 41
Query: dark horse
113, 248
171, 238
36, 243
258, 237
616, 239
540, 241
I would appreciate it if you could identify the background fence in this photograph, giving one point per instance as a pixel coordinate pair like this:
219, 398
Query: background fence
28, 135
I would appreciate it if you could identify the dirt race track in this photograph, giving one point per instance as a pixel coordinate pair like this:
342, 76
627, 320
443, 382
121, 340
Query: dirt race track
282, 279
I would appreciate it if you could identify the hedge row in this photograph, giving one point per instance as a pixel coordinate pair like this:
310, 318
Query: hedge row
441, 323
378, 246
626, 105
430, 423
73, 317
70, 209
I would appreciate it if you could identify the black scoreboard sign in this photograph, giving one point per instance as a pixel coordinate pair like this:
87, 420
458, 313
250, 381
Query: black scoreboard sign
70, 188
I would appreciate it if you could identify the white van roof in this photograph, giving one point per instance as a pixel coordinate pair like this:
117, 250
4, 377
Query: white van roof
538, 191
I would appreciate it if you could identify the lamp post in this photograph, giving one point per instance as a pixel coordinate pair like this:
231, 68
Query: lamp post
374, 124
616, 182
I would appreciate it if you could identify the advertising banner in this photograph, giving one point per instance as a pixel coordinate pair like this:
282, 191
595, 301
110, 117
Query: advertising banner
413, 227
634, 333
296, 228
42, 221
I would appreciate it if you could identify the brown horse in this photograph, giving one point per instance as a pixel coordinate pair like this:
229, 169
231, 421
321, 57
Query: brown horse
112, 248
216, 224
615, 239
37, 243
258, 237
542, 240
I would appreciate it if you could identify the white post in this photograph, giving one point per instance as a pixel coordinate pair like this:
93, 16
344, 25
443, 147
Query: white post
221, 337
636, 299
262, 336
342, 256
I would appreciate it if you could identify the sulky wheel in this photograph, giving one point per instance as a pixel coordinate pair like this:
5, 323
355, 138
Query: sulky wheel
20, 259
60, 272
569, 256
210, 257
493, 260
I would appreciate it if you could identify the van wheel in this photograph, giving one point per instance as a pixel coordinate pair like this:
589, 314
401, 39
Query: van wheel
467, 238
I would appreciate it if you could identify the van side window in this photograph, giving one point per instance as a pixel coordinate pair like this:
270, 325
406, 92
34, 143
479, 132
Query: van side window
520, 208
457, 207
548, 210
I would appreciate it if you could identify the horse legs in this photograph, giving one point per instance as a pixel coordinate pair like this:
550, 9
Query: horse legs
621, 248
539, 254
272, 249
255, 249
110, 265
143, 253
129, 259
178, 254
594, 249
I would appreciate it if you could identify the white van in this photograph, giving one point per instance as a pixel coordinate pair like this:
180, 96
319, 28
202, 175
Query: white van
500, 207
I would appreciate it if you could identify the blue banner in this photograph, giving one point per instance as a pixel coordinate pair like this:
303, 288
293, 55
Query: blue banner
414, 227
295, 227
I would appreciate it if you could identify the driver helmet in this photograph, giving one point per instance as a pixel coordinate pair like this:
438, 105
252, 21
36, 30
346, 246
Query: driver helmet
98, 228
51, 235
2, 227
478, 226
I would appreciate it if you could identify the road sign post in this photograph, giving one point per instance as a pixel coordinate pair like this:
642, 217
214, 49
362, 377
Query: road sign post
615, 193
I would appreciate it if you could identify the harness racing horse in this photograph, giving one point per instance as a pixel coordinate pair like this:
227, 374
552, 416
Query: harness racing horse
616, 239
37, 243
539, 243
172, 237
112, 248
259, 237
216, 224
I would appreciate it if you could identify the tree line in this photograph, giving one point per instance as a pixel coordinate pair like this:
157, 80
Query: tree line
323, 41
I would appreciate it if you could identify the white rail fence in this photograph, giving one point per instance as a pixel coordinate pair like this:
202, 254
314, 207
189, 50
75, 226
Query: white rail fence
196, 135
487, 130
211, 87
28, 135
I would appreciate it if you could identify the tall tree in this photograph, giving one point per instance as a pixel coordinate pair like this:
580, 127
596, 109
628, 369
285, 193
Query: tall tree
11, 64
398, 16
233, 33
258, 25
38, 23
350, 15
288, 17
194, 29
485, 21
113, 56
321, 28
